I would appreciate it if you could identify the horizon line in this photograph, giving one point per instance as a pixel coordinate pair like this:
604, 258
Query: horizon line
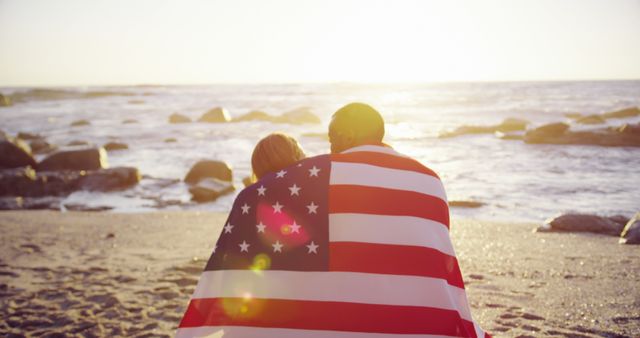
284, 83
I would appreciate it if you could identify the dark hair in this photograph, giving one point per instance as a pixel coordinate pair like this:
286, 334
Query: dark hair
364, 121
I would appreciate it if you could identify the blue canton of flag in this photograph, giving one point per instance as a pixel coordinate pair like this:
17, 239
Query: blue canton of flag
279, 223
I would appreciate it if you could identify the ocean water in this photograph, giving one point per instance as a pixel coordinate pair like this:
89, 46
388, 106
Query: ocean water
517, 181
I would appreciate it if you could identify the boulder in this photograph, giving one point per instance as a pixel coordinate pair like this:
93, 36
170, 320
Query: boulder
209, 189
591, 119
110, 146
255, 116
28, 136
512, 124
631, 129
5, 101
573, 115
109, 179
15, 153
465, 204
178, 118
508, 125
300, 116
82, 159
78, 143
627, 112
79, 123
129, 121
209, 169
583, 223
247, 181
625, 136
40, 146
26, 182
170, 140
545, 132
215, 115
631, 232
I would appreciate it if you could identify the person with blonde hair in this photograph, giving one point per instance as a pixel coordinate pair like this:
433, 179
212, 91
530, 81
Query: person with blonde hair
274, 152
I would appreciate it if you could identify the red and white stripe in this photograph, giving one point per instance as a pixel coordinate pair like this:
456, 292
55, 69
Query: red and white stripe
388, 221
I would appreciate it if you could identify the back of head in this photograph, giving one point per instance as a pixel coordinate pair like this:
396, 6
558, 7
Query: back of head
353, 125
275, 152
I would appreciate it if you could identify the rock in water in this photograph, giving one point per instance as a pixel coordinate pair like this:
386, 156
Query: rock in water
178, 118
5, 101
255, 115
115, 146
83, 159
508, 125
627, 112
573, 115
209, 169
299, 116
512, 124
15, 153
110, 179
40, 146
545, 132
465, 204
28, 136
79, 123
247, 181
75, 143
210, 189
215, 115
583, 223
631, 232
591, 119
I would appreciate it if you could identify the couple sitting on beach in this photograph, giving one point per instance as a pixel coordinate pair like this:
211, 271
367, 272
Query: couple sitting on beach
351, 244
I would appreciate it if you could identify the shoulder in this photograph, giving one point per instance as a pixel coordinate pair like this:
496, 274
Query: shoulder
385, 157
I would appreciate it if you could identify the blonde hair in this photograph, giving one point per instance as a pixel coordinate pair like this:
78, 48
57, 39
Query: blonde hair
275, 152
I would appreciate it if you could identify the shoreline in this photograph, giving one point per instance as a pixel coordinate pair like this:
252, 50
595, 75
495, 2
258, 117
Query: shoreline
132, 274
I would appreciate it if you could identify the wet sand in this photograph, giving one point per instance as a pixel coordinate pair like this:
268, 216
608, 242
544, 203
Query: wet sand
109, 274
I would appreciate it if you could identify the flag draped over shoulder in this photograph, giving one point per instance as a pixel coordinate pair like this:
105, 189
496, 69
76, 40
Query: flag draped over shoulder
348, 245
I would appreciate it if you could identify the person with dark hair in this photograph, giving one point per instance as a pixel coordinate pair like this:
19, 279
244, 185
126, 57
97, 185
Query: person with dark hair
355, 124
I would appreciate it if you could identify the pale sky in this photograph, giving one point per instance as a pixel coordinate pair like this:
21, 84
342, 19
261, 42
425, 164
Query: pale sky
96, 42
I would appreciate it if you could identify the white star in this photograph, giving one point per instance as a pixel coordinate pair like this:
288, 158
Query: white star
227, 228
277, 247
245, 208
295, 227
314, 171
244, 246
280, 174
299, 165
294, 190
215, 247
260, 227
261, 190
313, 208
313, 247
277, 208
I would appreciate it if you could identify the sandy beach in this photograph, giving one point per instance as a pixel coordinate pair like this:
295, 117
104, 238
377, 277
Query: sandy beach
116, 274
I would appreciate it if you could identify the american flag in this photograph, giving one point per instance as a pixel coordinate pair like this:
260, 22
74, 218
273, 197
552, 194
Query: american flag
348, 245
